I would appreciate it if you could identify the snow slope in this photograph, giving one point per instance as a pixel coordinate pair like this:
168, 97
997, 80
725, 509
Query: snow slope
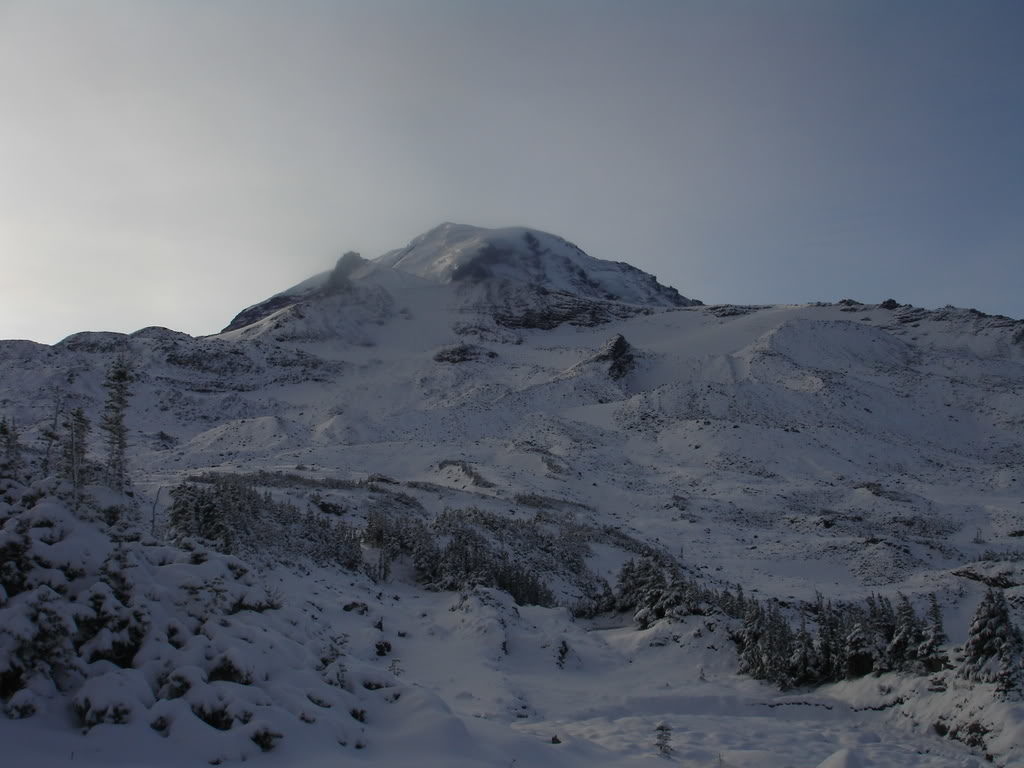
844, 449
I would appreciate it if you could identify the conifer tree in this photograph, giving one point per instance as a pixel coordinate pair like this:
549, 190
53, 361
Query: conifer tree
181, 515
880, 626
901, 652
829, 640
933, 636
859, 658
804, 663
994, 646
51, 433
345, 545
643, 588
663, 739
777, 648
10, 448
750, 636
625, 597
117, 384
76, 432
680, 598
726, 602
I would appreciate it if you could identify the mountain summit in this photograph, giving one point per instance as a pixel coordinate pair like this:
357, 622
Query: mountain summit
457, 253
522, 277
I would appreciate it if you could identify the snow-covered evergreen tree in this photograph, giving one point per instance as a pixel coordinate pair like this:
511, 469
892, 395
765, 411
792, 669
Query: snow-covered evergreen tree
859, 650
625, 586
933, 637
681, 597
118, 386
804, 660
994, 646
780, 649
902, 650
749, 640
663, 739
880, 626
830, 641
640, 588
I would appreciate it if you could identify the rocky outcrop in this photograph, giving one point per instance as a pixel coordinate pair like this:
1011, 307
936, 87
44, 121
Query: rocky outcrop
618, 353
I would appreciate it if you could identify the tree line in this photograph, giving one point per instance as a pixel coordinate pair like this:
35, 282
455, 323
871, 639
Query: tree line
832, 640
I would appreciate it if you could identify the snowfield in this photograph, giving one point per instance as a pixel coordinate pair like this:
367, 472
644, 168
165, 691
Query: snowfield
384, 518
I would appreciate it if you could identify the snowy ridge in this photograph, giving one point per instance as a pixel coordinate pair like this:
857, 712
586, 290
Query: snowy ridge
553, 417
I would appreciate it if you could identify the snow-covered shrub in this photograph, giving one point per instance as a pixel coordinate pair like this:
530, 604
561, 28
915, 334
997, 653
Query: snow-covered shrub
22, 704
107, 628
114, 697
331, 667
264, 737
187, 642
232, 667
36, 629
14, 563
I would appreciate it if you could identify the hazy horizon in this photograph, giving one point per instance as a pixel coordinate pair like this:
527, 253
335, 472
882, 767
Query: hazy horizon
169, 163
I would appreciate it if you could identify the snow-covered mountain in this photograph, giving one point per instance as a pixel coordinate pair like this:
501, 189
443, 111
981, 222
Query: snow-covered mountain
519, 277
495, 407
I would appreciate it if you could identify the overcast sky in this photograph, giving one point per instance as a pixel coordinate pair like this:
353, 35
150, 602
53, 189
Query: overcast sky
168, 163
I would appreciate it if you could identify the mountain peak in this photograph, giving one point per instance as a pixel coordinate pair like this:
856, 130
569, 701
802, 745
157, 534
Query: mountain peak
460, 253
530, 278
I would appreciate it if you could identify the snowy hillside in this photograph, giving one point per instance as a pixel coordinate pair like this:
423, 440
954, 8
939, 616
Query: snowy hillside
494, 499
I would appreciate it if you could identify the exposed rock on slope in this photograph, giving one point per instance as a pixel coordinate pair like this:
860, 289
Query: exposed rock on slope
618, 354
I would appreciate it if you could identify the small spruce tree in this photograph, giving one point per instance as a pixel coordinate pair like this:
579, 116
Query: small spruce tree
663, 739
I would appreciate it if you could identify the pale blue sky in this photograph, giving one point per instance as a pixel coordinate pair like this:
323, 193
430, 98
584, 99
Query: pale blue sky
167, 163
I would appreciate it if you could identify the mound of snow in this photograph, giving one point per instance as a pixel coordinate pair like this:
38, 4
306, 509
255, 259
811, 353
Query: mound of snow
834, 345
